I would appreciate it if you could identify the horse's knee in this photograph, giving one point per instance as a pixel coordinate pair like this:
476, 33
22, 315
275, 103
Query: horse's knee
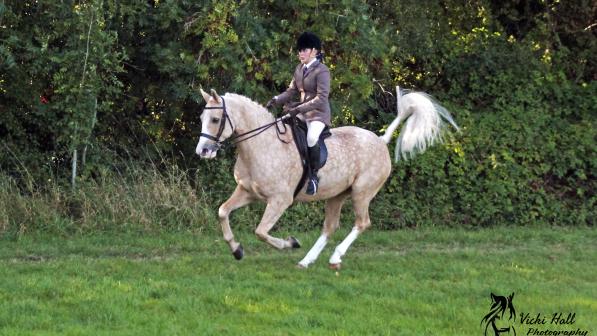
222, 213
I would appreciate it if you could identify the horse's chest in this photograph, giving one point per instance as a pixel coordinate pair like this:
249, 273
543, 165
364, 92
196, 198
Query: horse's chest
266, 177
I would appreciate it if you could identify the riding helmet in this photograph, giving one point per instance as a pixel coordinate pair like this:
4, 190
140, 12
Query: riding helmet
308, 40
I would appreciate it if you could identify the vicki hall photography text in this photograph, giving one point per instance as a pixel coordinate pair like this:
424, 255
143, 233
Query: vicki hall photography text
556, 324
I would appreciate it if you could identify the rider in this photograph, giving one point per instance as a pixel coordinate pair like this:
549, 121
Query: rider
312, 80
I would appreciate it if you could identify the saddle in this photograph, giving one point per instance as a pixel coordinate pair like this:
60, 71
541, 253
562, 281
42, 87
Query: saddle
299, 133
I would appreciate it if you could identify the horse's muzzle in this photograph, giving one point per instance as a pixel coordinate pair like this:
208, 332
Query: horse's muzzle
208, 152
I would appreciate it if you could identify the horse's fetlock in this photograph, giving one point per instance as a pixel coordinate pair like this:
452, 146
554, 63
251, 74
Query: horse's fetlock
229, 238
261, 234
338, 251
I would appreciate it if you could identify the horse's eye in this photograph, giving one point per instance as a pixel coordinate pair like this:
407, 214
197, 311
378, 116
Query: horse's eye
215, 120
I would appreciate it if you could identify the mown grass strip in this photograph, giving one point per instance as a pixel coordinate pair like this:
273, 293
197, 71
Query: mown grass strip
408, 282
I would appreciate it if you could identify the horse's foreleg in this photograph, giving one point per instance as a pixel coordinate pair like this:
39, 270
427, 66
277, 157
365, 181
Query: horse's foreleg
362, 222
273, 211
239, 198
333, 207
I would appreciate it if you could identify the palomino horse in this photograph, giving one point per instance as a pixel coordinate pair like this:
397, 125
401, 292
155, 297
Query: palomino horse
268, 165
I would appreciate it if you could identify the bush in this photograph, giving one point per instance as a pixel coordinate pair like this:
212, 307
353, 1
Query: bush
116, 82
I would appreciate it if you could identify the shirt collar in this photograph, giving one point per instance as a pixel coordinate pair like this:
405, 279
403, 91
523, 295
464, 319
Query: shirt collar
308, 65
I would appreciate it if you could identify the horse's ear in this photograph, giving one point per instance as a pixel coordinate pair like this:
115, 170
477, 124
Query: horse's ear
214, 94
205, 95
493, 297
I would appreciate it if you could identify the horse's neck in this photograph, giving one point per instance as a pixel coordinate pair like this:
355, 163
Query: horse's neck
250, 118
257, 148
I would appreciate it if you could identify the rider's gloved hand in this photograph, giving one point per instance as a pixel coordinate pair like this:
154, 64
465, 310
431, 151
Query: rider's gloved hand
293, 112
292, 109
271, 103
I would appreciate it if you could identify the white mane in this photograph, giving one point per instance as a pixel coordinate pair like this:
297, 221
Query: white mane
250, 105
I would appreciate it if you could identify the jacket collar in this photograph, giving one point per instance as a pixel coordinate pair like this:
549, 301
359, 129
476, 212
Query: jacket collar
310, 67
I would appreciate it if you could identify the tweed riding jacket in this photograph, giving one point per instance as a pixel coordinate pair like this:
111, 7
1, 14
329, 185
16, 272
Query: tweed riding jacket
314, 88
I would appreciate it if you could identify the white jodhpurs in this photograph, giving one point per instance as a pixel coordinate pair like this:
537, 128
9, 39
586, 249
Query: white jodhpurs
314, 130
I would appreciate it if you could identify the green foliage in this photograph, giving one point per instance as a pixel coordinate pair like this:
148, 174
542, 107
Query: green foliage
118, 80
59, 73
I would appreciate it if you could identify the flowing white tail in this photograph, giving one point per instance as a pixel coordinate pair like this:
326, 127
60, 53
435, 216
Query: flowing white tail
423, 123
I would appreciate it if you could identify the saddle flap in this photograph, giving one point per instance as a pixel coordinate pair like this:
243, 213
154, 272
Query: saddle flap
299, 134
323, 152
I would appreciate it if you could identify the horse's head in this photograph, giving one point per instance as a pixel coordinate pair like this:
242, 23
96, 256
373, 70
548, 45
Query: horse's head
216, 125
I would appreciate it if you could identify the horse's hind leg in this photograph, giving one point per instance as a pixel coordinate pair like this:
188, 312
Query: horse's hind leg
239, 198
333, 207
362, 222
274, 209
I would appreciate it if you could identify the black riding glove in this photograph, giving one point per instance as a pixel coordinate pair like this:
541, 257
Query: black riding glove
292, 109
270, 103
293, 112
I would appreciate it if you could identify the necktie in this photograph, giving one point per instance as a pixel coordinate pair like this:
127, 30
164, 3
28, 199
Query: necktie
305, 70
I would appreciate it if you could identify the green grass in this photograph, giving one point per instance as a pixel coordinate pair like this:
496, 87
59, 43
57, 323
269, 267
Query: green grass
427, 281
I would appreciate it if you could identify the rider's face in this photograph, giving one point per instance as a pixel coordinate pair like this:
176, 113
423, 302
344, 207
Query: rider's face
307, 55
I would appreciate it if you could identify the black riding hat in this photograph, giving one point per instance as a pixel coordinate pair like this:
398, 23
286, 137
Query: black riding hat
308, 40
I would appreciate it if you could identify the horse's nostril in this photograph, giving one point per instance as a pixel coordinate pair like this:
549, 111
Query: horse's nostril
204, 151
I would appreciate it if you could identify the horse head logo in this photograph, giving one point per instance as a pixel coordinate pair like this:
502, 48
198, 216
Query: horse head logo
495, 318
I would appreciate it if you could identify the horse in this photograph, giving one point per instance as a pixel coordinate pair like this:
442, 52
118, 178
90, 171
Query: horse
268, 165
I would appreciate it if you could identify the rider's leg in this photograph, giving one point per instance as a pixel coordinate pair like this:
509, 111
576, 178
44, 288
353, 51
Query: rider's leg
314, 131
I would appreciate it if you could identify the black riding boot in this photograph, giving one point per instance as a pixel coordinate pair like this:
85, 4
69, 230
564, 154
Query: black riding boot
313, 182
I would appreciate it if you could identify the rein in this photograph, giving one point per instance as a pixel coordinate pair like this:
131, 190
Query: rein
237, 138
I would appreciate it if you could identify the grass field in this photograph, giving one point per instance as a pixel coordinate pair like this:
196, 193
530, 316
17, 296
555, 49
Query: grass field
427, 281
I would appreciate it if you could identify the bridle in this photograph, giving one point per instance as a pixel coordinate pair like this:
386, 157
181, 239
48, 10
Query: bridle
225, 118
233, 140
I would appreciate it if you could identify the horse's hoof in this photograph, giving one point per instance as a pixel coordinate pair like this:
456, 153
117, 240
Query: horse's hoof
294, 243
335, 267
299, 266
238, 253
